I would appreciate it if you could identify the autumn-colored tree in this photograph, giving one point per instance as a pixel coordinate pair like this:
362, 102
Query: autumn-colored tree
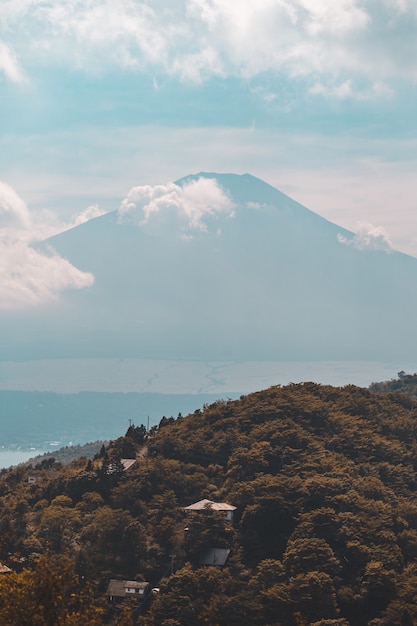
48, 595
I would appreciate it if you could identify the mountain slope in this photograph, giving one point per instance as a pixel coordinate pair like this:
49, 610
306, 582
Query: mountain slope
272, 282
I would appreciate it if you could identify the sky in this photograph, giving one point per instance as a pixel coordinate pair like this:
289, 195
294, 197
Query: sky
100, 97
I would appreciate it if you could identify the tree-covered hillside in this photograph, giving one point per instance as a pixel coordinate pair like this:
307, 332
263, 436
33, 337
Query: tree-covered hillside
325, 528
404, 383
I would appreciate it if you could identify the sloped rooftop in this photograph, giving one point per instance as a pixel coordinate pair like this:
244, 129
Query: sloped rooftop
209, 504
126, 588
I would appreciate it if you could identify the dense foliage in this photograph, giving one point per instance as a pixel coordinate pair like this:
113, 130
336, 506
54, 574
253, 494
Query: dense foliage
404, 383
325, 531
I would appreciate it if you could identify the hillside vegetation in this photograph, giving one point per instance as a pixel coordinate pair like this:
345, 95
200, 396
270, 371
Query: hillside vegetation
325, 529
405, 383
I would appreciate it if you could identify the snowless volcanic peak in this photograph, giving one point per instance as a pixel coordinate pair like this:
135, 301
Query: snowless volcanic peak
222, 267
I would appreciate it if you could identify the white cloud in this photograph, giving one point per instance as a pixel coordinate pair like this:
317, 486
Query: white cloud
323, 40
171, 208
9, 64
340, 91
348, 90
402, 6
327, 16
13, 210
90, 213
194, 67
17, 223
28, 276
255, 205
368, 237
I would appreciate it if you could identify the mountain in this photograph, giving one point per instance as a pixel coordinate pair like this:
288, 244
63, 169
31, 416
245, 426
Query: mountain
261, 278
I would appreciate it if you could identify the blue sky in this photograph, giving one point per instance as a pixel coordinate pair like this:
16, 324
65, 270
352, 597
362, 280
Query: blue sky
316, 97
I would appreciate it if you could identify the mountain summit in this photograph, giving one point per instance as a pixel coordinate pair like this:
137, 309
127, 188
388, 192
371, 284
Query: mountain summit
223, 267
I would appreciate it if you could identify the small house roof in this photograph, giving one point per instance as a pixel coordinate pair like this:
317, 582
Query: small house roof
214, 556
209, 504
4, 569
127, 463
118, 588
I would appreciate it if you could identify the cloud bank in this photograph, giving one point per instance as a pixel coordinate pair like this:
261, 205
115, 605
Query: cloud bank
171, 209
29, 277
343, 48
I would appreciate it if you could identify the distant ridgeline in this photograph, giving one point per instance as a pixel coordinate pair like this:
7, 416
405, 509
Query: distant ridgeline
323, 488
405, 383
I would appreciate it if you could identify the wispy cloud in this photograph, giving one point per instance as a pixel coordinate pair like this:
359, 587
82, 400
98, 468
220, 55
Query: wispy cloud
9, 65
321, 40
90, 213
13, 210
349, 90
29, 277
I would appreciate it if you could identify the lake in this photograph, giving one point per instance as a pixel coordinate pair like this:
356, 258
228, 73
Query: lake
195, 377
14, 457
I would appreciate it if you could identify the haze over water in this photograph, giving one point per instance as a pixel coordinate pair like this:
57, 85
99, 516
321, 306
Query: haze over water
163, 376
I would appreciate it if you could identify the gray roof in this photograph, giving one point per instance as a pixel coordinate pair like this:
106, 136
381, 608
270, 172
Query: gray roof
209, 504
214, 556
126, 588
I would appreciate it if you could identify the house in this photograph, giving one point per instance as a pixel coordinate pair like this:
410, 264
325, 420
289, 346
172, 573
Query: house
214, 556
39, 476
4, 569
119, 589
126, 464
222, 507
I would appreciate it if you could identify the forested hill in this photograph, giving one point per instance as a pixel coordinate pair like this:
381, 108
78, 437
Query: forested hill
405, 383
325, 530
